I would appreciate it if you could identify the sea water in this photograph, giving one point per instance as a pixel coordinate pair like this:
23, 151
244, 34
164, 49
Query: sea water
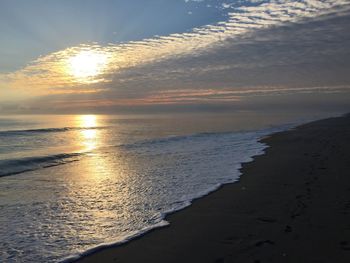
71, 184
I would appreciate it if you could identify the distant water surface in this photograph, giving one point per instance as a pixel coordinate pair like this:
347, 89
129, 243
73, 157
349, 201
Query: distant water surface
71, 183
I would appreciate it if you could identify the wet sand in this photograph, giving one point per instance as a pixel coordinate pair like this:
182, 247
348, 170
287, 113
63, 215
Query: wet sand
291, 205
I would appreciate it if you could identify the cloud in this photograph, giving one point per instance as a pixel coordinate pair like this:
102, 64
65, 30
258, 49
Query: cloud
197, 1
188, 96
227, 5
281, 44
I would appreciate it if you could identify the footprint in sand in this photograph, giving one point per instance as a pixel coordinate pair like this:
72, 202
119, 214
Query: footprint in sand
266, 219
345, 245
288, 229
263, 242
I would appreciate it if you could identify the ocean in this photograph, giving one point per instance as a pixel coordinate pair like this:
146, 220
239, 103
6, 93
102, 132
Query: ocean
71, 184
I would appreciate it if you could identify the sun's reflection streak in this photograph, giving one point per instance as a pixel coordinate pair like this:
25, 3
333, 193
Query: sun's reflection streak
89, 135
87, 121
89, 139
99, 189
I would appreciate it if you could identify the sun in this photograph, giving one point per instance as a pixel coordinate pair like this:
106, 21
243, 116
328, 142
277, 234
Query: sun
87, 64
87, 121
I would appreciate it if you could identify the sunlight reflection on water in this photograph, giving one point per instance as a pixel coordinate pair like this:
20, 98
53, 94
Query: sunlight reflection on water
88, 137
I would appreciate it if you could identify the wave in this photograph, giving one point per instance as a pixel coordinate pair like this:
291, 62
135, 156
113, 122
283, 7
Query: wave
151, 147
47, 130
182, 138
236, 135
17, 166
170, 144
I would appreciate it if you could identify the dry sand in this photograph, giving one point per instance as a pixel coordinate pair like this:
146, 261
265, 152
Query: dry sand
291, 205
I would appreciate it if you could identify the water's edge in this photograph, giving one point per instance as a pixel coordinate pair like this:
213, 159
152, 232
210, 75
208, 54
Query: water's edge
164, 222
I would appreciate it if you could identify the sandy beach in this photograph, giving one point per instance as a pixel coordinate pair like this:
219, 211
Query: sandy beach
291, 204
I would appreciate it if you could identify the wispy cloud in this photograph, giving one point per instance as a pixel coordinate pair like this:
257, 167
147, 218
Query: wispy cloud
225, 95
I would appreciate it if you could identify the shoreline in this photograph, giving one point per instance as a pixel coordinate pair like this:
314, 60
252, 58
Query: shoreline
248, 227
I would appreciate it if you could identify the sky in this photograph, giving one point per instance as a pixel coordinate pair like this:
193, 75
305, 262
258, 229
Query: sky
104, 56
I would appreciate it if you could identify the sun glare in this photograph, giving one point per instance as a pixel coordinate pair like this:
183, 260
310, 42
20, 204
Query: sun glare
87, 64
87, 121
88, 135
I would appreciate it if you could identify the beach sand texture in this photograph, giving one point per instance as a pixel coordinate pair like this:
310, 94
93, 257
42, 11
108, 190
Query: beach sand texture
291, 205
